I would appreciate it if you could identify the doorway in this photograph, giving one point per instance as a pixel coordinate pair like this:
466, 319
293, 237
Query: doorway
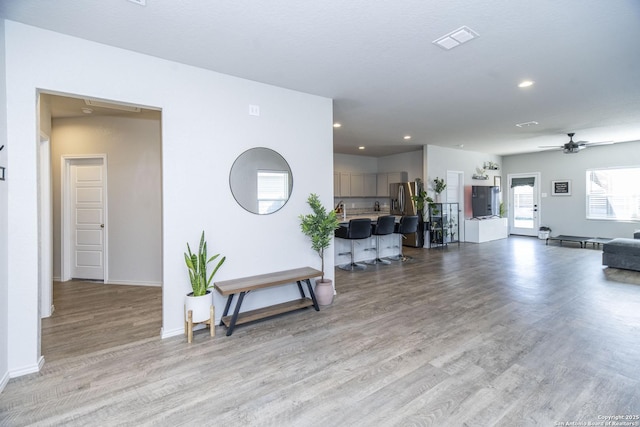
455, 194
524, 210
82, 245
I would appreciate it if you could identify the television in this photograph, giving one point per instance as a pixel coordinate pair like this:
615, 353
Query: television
485, 201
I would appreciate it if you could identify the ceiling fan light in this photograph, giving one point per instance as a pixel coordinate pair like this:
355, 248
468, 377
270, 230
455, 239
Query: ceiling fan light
572, 149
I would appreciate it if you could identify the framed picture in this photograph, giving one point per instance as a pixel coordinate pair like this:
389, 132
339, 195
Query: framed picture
497, 181
561, 187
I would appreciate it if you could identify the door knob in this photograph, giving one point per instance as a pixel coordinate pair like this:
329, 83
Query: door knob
101, 225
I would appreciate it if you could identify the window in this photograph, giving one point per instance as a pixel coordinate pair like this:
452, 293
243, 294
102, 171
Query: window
273, 190
613, 194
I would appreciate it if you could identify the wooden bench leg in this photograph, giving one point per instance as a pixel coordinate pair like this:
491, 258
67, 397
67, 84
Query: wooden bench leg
190, 322
186, 325
212, 325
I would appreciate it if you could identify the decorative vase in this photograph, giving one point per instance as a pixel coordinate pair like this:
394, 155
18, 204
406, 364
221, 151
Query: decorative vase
437, 197
324, 291
200, 307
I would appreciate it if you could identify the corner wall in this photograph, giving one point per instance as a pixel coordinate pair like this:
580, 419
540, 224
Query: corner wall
205, 126
4, 207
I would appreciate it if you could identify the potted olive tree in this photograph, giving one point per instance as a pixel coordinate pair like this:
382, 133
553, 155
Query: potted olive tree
199, 300
319, 226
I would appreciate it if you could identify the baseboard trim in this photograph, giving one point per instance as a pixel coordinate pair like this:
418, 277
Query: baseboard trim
4, 381
172, 333
26, 370
133, 283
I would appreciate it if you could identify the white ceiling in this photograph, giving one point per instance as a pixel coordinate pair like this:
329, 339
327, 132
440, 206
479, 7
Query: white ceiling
387, 79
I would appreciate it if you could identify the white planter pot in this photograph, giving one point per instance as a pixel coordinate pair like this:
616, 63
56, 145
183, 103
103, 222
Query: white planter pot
543, 235
200, 307
324, 292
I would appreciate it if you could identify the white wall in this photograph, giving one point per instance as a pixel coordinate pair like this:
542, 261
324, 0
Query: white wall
439, 160
355, 164
567, 214
134, 189
411, 162
205, 126
4, 292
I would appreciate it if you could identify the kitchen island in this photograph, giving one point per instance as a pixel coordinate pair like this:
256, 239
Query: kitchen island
365, 249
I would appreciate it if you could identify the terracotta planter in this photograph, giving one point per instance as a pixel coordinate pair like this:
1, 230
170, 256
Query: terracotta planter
200, 306
324, 291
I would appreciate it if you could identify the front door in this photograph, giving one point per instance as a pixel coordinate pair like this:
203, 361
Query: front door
524, 206
87, 209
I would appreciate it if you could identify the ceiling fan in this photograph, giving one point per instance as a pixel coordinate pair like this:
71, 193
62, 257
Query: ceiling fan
575, 146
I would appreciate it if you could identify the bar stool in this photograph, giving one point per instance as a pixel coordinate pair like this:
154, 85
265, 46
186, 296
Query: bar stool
384, 226
408, 224
356, 230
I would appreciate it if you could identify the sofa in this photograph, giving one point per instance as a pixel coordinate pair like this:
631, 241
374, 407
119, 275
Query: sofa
622, 253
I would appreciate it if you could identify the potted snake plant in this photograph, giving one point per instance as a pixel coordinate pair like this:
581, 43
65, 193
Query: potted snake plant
199, 300
319, 227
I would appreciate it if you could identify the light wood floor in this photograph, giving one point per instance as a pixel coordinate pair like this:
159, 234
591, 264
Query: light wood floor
508, 333
92, 316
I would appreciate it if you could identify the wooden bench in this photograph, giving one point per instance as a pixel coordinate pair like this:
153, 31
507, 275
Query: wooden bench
245, 285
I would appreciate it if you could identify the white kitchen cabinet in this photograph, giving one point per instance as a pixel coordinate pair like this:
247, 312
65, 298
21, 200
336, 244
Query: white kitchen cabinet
357, 185
345, 184
370, 185
398, 177
382, 185
384, 179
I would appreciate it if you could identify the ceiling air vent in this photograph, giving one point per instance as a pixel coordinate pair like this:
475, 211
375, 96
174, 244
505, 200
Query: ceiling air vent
456, 38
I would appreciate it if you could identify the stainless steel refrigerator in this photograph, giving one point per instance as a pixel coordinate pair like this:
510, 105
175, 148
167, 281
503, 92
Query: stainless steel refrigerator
402, 204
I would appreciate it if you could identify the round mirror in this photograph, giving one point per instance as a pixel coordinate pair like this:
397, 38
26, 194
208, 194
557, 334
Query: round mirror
261, 180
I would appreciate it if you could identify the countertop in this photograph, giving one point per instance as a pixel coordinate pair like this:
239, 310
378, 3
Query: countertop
373, 216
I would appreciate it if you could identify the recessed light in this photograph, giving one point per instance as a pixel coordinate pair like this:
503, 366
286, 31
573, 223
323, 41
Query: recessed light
87, 110
361, 147
337, 125
525, 83
527, 124
407, 137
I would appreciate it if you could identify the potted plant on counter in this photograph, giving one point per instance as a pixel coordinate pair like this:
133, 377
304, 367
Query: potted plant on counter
319, 226
199, 301
438, 186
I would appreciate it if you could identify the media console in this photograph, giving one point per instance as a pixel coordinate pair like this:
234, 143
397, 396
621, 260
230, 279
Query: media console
485, 230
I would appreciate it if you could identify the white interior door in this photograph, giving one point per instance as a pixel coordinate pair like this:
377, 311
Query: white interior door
524, 206
455, 194
87, 218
